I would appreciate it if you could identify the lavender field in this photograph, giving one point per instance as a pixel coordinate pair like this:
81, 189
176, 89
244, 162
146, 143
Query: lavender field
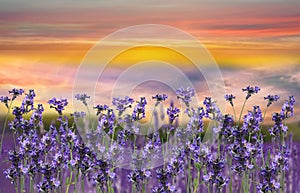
107, 148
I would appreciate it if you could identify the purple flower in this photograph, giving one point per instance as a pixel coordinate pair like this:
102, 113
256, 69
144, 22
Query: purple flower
278, 127
196, 120
214, 174
100, 108
287, 109
82, 97
139, 111
253, 120
271, 99
139, 177
159, 98
58, 105
16, 92
185, 95
28, 101
122, 104
229, 98
212, 111
107, 121
268, 179
250, 91
5, 99
78, 115
172, 112
226, 127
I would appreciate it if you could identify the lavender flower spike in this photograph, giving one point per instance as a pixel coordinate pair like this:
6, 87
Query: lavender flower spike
185, 94
82, 98
250, 91
229, 98
271, 99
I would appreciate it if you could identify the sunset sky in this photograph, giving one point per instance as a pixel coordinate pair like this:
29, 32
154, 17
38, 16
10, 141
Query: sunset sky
253, 42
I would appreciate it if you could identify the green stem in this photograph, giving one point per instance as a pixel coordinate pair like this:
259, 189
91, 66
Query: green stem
31, 185
90, 117
98, 189
198, 180
16, 188
4, 125
242, 112
150, 124
76, 180
69, 182
143, 188
189, 177
234, 113
82, 185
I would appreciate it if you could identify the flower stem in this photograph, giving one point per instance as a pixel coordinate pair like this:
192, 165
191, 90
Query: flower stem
4, 126
82, 185
241, 112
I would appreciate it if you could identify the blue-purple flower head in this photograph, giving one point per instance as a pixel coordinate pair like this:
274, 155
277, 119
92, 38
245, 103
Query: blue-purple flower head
159, 98
278, 127
269, 182
82, 97
172, 112
139, 111
212, 111
58, 105
287, 109
229, 98
16, 92
139, 176
251, 90
78, 115
185, 94
122, 104
100, 108
271, 99
5, 99
253, 120
28, 101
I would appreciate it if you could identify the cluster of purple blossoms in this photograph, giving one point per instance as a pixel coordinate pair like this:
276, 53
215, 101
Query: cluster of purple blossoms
100, 108
57, 153
185, 95
139, 177
172, 112
83, 98
271, 99
5, 100
212, 111
58, 105
287, 109
162, 175
139, 111
226, 128
107, 121
286, 112
122, 104
269, 173
160, 97
215, 175
252, 120
15, 92
28, 101
195, 123
229, 98
269, 181
278, 128
250, 91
